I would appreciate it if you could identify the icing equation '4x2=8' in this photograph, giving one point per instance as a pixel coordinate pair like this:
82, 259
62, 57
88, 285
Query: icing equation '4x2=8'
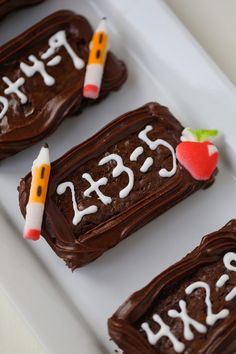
188, 322
188, 308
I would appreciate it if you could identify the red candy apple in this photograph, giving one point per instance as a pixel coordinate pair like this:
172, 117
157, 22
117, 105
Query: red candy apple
197, 154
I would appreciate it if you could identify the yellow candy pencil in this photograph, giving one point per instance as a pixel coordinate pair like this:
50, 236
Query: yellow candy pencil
96, 61
38, 192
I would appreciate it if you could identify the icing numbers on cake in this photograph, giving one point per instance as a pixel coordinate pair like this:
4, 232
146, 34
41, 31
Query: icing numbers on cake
118, 170
136, 153
4, 106
14, 87
187, 321
37, 67
231, 295
54, 61
78, 214
55, 42
94, 187
211, 317
228, 259
146, 165
153, 145
222, 280
59, 40
164, 331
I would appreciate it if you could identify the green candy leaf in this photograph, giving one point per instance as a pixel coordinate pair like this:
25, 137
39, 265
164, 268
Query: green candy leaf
203, 135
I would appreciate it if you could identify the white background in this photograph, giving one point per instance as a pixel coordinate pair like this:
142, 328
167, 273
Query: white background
212, 22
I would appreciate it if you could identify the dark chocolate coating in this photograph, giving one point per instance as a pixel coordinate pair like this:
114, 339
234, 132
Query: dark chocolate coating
7, 6
204, 263
47, 106
150, 196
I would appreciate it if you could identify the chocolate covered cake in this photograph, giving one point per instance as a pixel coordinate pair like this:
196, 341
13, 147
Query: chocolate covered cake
189, 308
42, 73
112, 184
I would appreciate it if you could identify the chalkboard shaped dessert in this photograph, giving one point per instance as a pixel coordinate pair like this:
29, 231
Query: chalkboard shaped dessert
188, 308
42, 77
125, 175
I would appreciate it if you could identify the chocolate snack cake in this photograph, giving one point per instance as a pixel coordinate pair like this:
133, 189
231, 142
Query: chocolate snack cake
112, 184
42, 74
7, 6
189, 308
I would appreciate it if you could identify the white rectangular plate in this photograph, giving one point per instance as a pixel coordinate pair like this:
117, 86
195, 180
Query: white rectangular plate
69, 311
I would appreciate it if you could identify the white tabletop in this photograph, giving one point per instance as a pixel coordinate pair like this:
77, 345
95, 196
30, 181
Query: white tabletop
15, 335
212, 22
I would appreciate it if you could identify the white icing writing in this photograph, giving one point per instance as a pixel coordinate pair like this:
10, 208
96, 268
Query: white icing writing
59, 40
13, 87
187, 321
136, 153
78, 214
37, 67
54, 61
94, 187
211, 317
4, 104
153, 145
228, 259
164, 331
231, 295
55, 42
147, 164
118, 170
222, 280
